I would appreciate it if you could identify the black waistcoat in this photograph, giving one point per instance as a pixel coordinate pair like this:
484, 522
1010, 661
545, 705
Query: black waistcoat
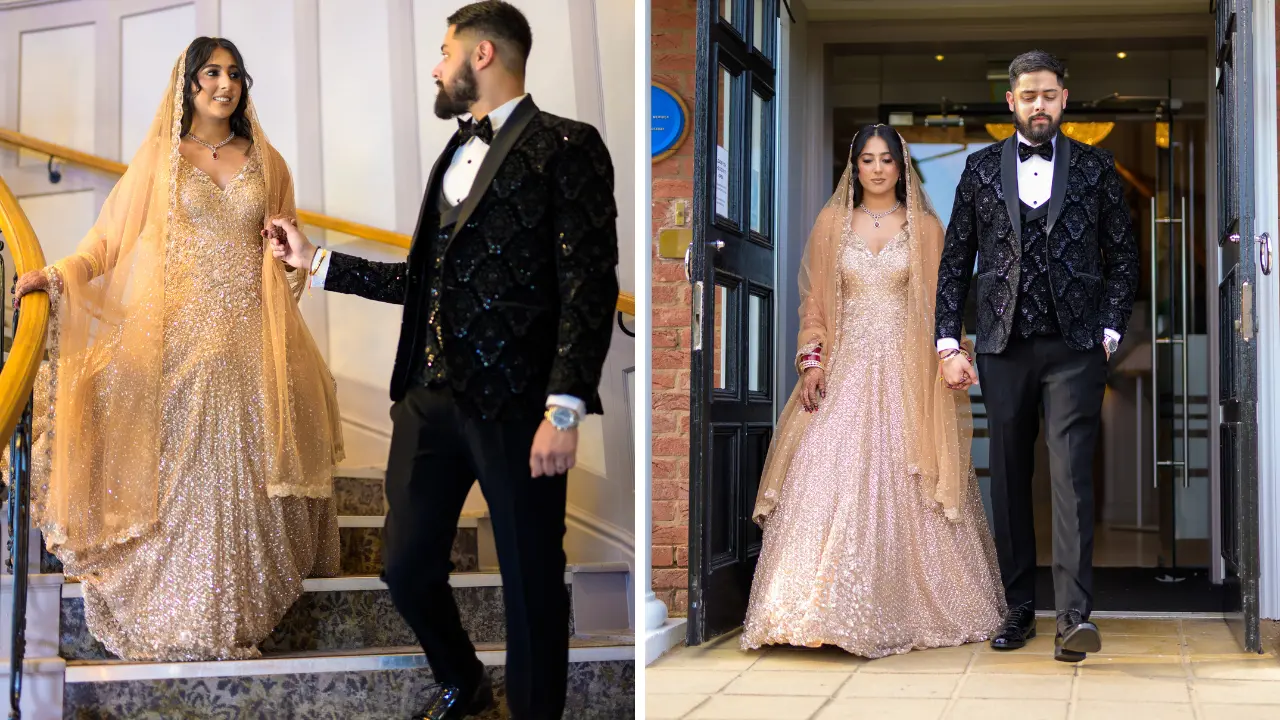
433, 370
1036, 314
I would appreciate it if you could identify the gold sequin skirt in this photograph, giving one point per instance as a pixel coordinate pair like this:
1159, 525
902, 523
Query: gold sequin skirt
856, 555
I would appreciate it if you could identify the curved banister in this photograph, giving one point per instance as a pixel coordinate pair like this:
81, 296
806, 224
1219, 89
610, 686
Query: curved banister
27, 351
626, 301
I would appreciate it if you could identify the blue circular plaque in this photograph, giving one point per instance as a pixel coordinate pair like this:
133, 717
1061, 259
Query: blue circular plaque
669, 122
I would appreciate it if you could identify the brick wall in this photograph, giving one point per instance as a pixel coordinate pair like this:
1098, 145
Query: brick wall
673, 43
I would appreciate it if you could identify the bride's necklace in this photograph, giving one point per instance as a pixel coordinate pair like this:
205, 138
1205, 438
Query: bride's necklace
875, 216
214, 148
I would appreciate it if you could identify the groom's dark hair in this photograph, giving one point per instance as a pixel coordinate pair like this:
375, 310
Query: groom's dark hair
501, 24
1035, 61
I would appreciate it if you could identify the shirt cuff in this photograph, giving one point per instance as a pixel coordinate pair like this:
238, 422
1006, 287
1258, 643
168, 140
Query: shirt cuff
948, 344
1112, 334
570, 402
320, 268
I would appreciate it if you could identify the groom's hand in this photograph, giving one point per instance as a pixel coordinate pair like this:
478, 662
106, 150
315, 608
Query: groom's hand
957, 373
289, 244
554, 451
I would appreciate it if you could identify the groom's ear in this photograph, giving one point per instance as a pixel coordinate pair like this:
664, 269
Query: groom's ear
1064, 98
1008, 97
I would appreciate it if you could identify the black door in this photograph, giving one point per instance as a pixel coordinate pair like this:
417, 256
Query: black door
731, 266
1237, 339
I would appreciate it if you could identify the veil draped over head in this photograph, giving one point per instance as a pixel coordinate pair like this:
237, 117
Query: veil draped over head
98, 476
940, 424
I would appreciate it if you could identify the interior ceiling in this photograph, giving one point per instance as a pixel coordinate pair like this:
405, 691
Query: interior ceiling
1008, 49
833, 10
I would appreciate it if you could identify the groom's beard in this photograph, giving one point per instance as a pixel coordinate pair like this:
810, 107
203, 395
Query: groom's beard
1037, 134
450, 103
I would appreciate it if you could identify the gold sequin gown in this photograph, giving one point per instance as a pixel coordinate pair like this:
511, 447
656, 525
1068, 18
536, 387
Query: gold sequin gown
855, 554
223, 563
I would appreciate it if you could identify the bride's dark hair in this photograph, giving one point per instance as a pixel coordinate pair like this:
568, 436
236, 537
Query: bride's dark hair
891, 138
198, 53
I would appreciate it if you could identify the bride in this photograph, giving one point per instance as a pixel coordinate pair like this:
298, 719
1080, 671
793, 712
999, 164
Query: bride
875, 539
187, 435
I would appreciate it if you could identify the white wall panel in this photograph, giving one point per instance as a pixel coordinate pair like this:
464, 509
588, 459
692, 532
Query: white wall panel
359, 184
61, 221
56, 88
264, 33
149, 44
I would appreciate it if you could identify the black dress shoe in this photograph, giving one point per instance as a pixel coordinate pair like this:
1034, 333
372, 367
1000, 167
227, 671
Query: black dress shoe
1076, 637
447, 702
1019, 627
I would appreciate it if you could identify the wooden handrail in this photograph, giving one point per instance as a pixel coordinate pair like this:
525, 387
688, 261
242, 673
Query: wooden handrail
626, 301
27, 351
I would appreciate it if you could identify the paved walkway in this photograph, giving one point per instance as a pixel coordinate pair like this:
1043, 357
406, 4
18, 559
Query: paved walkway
1149, 670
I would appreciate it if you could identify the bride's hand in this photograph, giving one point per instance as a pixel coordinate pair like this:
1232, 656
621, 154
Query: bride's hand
813, 388
32, 281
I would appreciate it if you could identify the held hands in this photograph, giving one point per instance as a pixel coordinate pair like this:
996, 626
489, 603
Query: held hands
32, 281
958, 373
554, 450
288, 244
813, 388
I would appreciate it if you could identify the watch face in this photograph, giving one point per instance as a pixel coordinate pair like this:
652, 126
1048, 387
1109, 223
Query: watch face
561, 417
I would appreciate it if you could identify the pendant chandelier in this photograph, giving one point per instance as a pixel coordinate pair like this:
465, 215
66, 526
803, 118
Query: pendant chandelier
1089, 133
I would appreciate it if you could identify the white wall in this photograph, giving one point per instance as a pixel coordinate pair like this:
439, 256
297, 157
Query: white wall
344, 91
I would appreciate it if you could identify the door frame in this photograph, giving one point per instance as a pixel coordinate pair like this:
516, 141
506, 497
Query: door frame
759, 75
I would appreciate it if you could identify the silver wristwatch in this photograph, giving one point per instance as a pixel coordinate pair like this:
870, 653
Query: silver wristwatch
562, 418
1110, 344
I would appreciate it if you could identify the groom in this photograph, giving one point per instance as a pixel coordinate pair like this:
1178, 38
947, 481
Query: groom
509, 293
1058, 270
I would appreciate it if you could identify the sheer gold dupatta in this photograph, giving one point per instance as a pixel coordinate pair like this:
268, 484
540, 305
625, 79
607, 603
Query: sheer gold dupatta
98, 466
940, 430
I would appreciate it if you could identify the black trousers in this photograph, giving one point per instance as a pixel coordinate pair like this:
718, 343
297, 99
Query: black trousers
1032, 373
436, 454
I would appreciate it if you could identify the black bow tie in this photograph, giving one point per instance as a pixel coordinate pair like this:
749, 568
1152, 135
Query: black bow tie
1044, 150
482, 130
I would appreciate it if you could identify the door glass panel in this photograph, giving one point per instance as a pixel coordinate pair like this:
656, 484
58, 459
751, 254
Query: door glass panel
724, 344
726, 196
761, 121
759, 343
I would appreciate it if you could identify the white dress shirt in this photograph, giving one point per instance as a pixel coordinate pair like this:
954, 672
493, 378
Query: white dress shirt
458, 179
1035, 186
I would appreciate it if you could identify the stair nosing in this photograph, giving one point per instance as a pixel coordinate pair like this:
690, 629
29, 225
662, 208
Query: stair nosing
72, 588
374, 659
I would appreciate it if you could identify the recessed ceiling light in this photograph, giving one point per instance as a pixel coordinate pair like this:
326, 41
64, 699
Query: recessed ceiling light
1122, 55
939, 58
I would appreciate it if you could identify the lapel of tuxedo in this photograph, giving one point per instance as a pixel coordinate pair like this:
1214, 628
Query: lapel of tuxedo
435, 186
1061, 176
1009, 186
503, 141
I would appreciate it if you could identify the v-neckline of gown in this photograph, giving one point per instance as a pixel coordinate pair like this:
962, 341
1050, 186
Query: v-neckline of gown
248, 158
863, 241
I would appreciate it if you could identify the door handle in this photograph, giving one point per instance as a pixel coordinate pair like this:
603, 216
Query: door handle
688, 257
1264, 253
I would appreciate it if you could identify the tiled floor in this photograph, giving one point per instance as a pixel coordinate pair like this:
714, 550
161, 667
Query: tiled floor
1149, 670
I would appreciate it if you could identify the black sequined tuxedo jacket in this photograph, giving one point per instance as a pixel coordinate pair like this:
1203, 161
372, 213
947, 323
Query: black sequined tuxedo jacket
529, 285
1092, 253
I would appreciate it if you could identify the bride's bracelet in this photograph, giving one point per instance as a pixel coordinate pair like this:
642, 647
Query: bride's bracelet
810, 362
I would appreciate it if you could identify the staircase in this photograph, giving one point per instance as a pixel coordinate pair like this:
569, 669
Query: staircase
341, 651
